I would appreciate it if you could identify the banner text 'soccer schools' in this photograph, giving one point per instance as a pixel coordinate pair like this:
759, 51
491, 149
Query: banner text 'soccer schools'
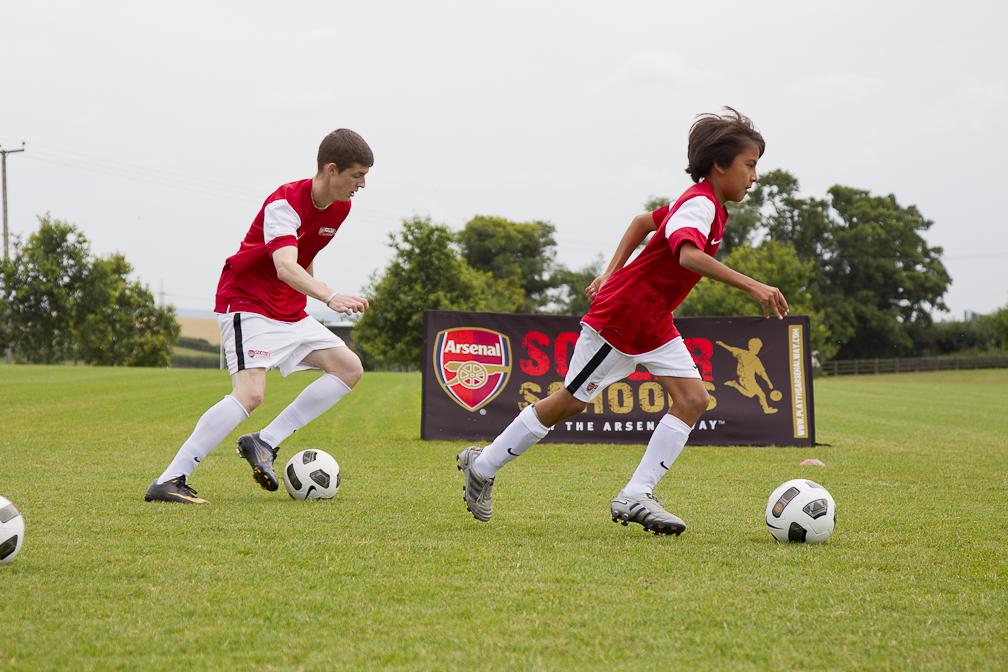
481, 369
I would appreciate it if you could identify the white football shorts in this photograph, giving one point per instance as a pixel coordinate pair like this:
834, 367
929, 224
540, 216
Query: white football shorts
253, 341
595, 364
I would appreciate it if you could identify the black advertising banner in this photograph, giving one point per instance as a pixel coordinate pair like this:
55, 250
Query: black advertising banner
481, 369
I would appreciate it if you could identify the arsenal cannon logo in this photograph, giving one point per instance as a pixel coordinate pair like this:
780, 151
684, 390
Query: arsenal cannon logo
472, 365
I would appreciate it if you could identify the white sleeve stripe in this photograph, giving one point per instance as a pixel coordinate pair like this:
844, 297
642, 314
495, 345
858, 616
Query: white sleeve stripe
696, 213
279, 219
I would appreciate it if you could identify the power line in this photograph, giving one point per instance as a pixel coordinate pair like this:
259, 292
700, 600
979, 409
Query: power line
109, 167
981, 255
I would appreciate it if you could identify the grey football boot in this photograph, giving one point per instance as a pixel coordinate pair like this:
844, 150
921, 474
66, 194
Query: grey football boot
260, 455
176, 490
476, 491
646, 511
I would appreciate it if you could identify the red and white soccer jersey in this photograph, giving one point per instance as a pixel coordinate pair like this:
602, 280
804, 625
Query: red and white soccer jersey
633, 310
288, 217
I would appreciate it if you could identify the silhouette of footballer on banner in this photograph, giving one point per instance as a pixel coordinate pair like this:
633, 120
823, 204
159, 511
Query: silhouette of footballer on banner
749, 367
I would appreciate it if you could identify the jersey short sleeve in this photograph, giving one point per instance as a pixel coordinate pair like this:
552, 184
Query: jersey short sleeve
691, 222
280, 225
658, 216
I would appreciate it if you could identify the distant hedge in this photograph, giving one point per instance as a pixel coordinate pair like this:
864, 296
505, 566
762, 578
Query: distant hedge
197, 344
194, 362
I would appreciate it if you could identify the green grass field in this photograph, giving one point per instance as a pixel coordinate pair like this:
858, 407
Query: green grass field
394, 574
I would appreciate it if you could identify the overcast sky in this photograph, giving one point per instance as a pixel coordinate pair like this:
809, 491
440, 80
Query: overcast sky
159, 129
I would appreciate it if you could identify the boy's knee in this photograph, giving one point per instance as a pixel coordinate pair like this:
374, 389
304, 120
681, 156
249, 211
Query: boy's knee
558, 406
346, 367
350, 375
695, 403
249, 399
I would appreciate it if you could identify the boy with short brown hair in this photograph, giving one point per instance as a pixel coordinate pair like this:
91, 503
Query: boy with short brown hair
260, 307
630, 322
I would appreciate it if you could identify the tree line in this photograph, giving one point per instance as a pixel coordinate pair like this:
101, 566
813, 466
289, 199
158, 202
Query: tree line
855, 262
60, 303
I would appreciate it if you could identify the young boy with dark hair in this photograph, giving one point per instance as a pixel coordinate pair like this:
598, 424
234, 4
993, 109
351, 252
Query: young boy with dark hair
261, 301
629, 322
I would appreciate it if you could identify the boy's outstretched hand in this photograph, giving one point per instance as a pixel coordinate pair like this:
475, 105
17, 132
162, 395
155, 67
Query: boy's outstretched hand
347, 304
771, 299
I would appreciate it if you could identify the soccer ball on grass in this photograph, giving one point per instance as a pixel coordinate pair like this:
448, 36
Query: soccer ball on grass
312, 474
11, 531
801, 510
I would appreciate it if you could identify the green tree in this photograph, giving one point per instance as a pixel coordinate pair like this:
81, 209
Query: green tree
806, 225
885, 268
974, 334
776, 264
568, 297
655, 202
121, 323
999, 326
517, 253
41, 287
877, 280
61, 304
803, 223
426, 273
5, 342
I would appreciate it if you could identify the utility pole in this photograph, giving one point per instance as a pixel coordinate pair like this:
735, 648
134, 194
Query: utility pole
3, 178
8, 355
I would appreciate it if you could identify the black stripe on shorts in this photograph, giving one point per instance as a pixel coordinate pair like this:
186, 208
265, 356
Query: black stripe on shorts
589, 368
238, 342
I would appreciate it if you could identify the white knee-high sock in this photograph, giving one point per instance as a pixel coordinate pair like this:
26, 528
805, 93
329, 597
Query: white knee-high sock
664, 447
524, 432
212, 428
313, 401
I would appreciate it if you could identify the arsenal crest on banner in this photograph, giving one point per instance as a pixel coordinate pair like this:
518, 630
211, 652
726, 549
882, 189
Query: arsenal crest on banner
472, 364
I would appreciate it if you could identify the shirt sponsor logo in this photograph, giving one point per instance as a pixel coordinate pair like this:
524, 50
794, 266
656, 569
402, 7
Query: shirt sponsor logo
472, 365
327, 231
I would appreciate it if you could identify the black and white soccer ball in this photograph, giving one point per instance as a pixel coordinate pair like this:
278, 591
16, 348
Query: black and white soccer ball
312, 474
802, 511
11, 531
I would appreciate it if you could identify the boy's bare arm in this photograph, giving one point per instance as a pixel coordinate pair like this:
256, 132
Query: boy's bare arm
640, 227
694, 259
292, 273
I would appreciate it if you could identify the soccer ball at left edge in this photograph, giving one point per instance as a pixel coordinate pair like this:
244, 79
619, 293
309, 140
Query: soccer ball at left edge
801, 511
312, 474
11, 531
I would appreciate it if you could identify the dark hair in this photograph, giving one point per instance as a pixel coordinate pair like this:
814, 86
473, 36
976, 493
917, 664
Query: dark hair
344, 148
718, 139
